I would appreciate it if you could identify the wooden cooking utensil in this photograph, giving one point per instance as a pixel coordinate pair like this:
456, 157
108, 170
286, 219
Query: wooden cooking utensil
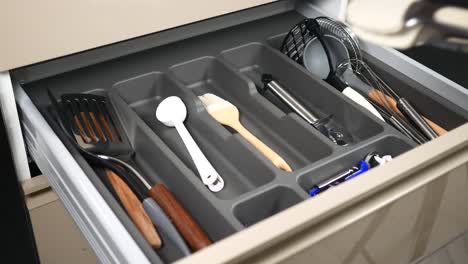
184, 222
382, 99
109, 143
134, 209
227, 114
121, 189
298, 44
187, 226
377, 95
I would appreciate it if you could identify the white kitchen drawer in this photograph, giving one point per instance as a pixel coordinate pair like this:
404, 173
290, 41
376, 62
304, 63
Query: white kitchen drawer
392, 214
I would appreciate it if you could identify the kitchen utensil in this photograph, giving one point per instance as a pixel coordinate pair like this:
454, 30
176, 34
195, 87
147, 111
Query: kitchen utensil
398, 122
314, 61
364, 78
306, 31
167, 205
135, 209
155, 213
338, 43
371, 160
337, 30
172, 113
351, 42
158, 215
340, 177
374, 159
127, 197
401, 124
337, 137
227, 114
311, 43
165, 226
118, 144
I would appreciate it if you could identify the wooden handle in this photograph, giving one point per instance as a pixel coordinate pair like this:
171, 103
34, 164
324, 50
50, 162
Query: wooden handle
135, 210
185, 224
378, 97
88, 127
264, 149
438, 129
80, 129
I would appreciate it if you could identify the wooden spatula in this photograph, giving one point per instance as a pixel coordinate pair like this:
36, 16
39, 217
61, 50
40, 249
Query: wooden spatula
227, 114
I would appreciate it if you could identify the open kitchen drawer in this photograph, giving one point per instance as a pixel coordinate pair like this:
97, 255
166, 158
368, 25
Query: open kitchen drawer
395, 213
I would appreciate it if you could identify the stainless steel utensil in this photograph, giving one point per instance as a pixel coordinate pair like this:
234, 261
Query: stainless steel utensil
336, 136
326, 43
109, 140
379, 91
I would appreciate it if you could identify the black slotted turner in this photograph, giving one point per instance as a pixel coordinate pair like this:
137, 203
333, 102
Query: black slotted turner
92, 138
97, 132
93, 127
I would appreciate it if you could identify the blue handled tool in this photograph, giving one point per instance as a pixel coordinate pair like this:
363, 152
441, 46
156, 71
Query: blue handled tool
370, 160
363, 167
333, 181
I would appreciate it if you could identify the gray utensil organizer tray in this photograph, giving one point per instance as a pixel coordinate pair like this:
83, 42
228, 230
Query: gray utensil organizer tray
228, 63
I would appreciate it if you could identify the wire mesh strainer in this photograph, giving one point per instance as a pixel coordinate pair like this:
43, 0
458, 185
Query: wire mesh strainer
302, 33
345, 35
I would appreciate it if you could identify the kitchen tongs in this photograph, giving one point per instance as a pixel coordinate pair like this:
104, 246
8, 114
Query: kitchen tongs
88, 120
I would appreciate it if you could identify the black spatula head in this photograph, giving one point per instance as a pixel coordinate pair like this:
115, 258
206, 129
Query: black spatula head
92, 123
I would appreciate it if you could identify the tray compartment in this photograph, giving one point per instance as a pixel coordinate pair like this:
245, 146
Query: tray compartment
424, 100
297, 144
234, 162
254, 59
106, 73
390, 145
266, 204
160, 165
160, 256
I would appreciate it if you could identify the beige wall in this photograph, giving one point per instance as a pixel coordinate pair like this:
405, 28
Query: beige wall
34, 31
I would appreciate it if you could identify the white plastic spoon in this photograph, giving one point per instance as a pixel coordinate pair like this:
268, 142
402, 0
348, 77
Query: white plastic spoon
172, 113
